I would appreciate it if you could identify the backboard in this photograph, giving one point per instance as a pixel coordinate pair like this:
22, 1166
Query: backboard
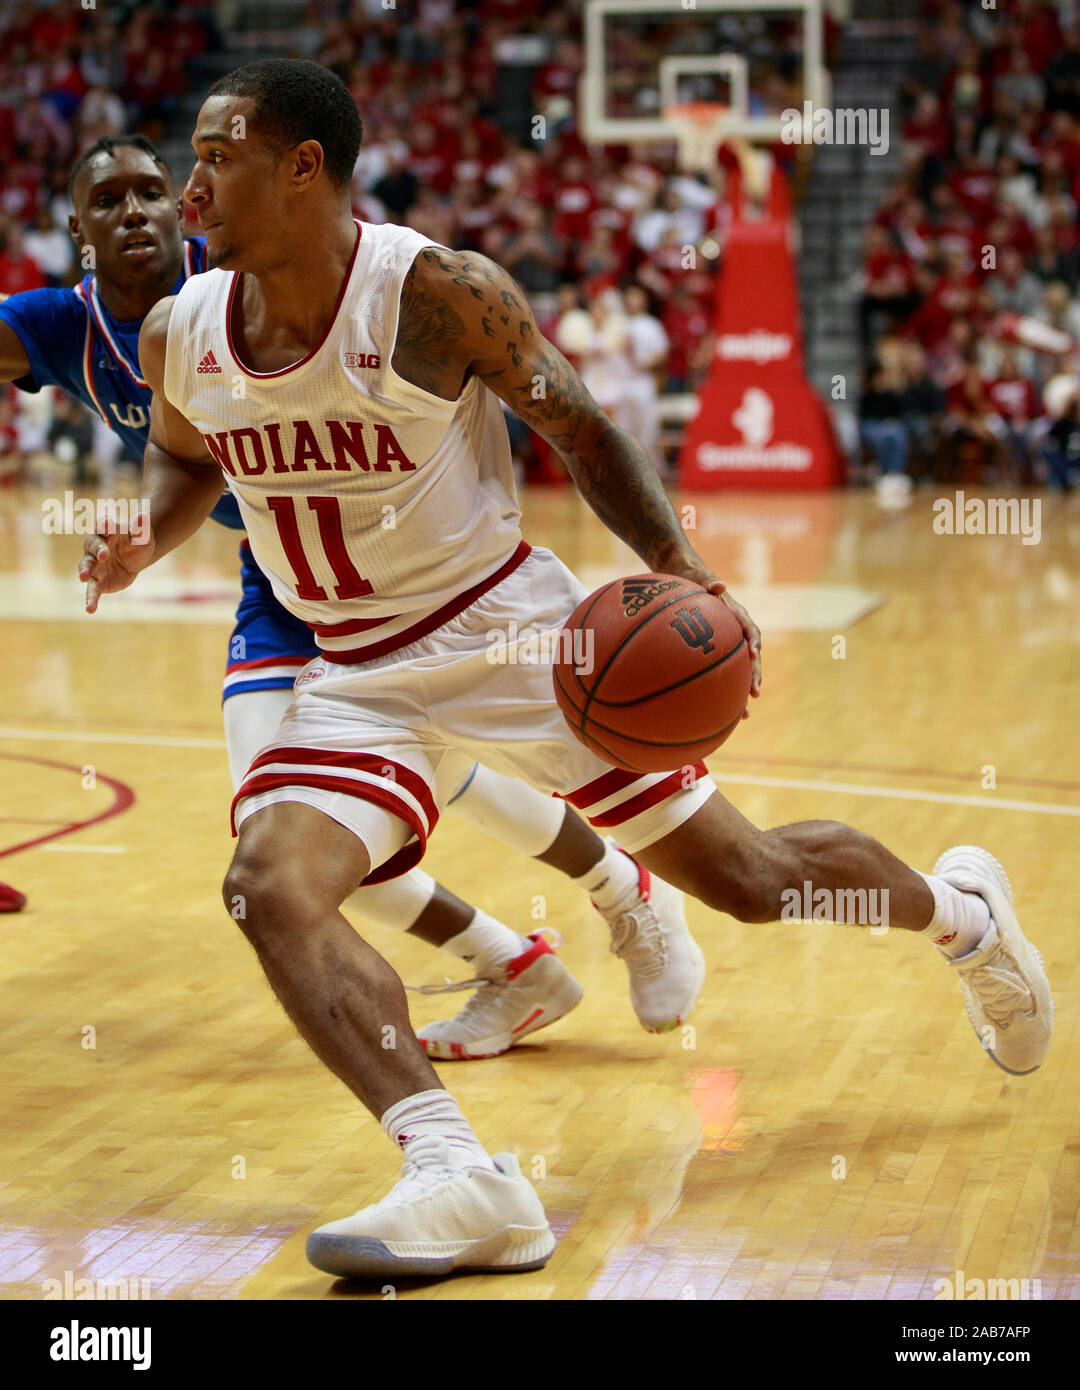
758, 57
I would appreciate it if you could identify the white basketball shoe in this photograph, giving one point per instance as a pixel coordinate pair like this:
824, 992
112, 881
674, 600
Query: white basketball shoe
438, 1218
530, 992
1004, 980
666, 965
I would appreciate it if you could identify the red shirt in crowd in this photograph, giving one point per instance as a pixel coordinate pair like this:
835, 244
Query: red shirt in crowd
19, 273
52, 28
574, 204
975, 187
20, 197
668, 262
619, 222
932, 135
892, 267
1014, 398
1042, 36
686, 323
965, 397
949, 297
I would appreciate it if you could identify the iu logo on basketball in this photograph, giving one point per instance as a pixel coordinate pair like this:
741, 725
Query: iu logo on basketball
692, 627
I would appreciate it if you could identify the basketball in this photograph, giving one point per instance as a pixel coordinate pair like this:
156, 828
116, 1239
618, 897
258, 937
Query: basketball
653, 672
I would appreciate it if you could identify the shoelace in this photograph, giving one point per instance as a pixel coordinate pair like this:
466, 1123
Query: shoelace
496, 978
421, 1170
1006, 989
637, 939
489, 993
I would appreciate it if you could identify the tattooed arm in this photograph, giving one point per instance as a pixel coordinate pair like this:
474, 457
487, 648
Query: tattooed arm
463, 316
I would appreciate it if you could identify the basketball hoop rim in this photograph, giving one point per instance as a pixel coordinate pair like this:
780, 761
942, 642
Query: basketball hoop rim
701, 114
699, 132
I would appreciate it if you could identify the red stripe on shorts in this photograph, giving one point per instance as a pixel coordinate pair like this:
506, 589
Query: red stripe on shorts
406, 858
601, 788
445, 614
268, 661
349, 628
363, 791
626, 810
359, 762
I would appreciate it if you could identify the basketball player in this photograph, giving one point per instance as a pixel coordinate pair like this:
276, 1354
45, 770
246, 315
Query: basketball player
86, 341
372, 362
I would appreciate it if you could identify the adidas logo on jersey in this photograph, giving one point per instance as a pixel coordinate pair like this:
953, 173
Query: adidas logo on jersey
208, 365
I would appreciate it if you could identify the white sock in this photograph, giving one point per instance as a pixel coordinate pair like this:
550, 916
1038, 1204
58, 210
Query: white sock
960, 919
487, 943
612, 880
436, 1114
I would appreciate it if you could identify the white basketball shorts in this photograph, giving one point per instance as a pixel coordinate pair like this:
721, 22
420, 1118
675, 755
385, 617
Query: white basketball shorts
378, 746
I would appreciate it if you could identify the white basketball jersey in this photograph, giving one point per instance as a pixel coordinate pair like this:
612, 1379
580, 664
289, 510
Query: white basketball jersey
371, 505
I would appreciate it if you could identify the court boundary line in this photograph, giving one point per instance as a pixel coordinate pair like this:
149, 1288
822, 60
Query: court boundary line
991, 803
826, 764
834, 765
1045, 808
123, 798
93, 736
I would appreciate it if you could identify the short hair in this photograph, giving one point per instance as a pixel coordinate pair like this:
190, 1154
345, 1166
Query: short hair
296, 100
109, 144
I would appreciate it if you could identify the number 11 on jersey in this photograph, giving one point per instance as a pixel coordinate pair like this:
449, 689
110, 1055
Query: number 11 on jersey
328, 511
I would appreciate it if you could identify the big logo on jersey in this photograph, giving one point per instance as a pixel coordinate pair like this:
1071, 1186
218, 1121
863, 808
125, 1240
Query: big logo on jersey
339, 446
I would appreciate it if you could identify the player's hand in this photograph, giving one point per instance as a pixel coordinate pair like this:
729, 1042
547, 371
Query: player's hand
709, 581
752, 635
112, 559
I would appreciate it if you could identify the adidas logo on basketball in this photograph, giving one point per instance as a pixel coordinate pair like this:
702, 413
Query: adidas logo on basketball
208, 365
636, 593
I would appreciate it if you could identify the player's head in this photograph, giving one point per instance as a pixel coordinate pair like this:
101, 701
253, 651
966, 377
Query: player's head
126, 212
275, 145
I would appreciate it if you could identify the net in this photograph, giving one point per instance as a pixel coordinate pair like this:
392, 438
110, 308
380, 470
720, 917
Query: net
700, 126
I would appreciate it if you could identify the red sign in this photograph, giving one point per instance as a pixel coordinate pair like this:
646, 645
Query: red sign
760, 423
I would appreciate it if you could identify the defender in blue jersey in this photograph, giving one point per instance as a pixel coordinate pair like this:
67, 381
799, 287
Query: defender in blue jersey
85, 341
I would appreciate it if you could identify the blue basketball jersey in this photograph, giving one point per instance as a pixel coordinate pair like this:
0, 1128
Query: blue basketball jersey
72, 341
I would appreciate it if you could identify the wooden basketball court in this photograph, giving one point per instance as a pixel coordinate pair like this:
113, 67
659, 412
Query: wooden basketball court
827, 1128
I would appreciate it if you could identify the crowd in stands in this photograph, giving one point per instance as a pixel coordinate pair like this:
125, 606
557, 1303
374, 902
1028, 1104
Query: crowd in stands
597, 237
471, 140
969, 313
